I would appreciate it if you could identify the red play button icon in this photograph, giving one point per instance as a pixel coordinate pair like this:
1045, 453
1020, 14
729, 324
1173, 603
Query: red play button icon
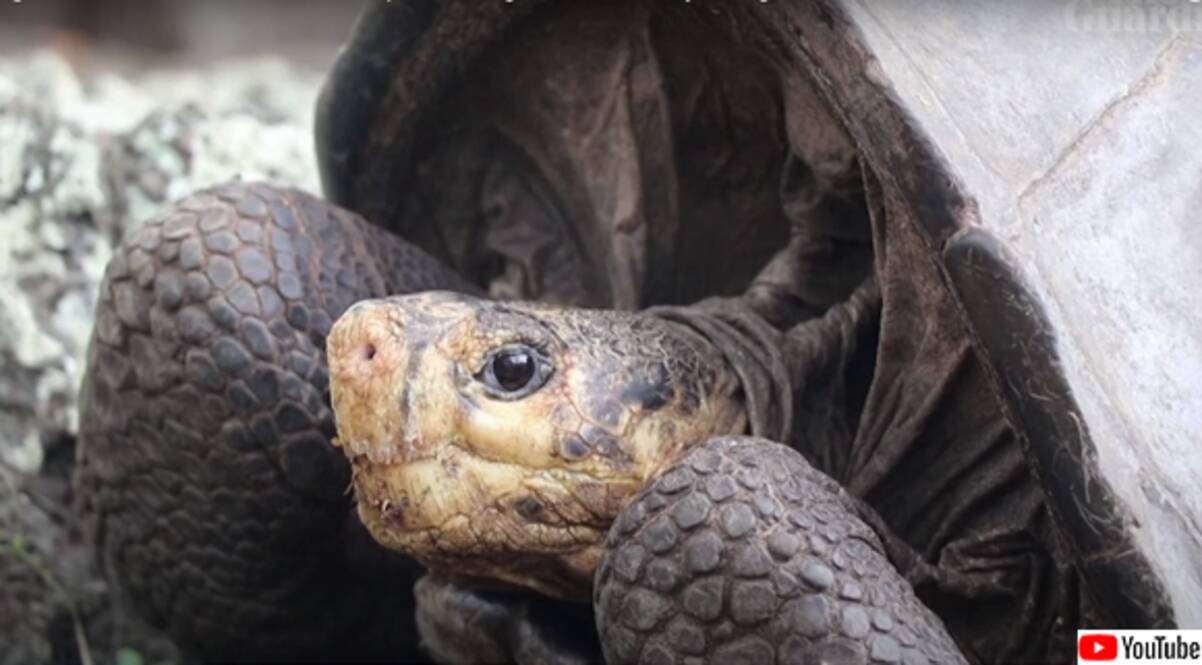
1098, 647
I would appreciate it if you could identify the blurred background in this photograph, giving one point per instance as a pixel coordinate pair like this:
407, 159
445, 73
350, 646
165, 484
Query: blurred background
109, 110
130, 35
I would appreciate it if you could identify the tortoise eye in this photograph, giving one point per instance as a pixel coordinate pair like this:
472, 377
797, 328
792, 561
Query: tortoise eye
515, 371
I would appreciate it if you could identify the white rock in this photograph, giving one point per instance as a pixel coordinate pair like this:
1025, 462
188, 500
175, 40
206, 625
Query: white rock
81, 163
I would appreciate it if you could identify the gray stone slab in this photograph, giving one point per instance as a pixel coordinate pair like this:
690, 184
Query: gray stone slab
1074, 125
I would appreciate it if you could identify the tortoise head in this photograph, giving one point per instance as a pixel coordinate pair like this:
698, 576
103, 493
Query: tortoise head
496, 442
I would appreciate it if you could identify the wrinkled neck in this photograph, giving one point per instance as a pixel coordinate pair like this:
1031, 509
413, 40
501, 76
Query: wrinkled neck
753, 350
773, 365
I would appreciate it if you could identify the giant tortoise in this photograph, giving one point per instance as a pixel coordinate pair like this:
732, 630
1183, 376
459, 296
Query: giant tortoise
796, 331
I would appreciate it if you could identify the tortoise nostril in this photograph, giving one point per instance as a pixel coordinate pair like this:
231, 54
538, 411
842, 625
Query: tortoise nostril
368, 351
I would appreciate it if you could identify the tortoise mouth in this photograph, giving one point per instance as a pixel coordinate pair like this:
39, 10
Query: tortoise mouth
502, 523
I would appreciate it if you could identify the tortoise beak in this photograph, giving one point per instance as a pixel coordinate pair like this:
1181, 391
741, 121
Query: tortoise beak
368, 355
383, 361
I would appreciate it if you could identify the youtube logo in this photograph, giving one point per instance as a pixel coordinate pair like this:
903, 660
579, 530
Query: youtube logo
1098, 646
1145, 647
